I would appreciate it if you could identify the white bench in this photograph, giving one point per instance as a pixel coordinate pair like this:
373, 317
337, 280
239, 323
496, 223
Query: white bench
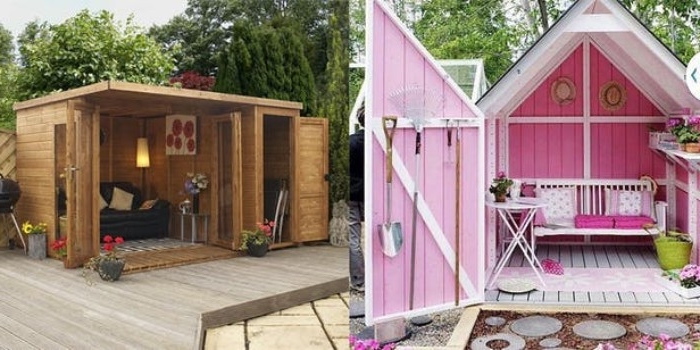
590, 200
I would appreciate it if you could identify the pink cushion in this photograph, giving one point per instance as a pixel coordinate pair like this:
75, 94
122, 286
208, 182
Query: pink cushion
632, 222
594, 221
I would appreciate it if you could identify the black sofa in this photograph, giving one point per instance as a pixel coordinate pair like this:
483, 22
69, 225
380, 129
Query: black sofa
135, 223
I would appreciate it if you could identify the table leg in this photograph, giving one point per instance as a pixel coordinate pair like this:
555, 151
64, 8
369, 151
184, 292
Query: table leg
182, 227
206, 229
194, 227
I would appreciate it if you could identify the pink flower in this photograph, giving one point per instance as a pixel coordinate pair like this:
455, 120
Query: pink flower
501, 174
119, 240
107, 239
108, 247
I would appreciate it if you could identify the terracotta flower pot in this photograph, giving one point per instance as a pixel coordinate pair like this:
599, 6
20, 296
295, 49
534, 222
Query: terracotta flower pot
501, 197
693, 147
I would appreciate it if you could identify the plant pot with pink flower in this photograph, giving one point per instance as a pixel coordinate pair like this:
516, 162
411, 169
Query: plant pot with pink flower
256, 243
108, 265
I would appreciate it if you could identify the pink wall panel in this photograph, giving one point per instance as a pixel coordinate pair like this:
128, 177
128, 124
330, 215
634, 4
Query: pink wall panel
545, 150
398, 65
603, 71
540, 102
682, 210
681, 174
620, 151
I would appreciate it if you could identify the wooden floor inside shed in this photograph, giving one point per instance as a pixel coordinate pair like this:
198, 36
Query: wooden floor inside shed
44, 306
604, 262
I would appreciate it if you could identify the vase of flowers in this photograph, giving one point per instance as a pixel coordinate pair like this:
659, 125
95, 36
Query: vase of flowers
257, 242
194, 184
107, 265
36, 235
500, 186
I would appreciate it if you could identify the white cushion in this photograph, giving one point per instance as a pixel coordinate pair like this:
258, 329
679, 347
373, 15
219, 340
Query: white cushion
103, 203
121, 200
561, 204
631, 203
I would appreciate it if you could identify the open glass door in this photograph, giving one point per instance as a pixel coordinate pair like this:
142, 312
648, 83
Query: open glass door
227, 181
82, 181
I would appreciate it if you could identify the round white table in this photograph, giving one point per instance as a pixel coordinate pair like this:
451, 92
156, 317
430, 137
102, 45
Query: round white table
528, 207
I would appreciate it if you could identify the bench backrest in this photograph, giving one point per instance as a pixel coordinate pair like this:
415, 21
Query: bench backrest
590, 193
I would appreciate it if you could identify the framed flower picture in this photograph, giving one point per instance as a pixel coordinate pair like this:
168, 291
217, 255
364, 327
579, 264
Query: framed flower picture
180, 134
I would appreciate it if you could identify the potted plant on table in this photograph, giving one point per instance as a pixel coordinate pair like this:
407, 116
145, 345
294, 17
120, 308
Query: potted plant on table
36, 235
107, 265
500, 186
257, 242
195, 184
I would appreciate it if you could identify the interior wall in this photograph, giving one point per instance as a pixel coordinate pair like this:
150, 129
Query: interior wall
277, 155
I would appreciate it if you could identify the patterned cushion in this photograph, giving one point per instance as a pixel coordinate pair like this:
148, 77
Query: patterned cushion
561, 204
628, 203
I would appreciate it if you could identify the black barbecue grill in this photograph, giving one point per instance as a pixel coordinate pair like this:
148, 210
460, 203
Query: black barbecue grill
9, 194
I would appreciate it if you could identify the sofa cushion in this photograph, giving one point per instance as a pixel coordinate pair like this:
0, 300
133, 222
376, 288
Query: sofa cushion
121, 200
632, 222
103, 203
629, 203
148, 204
594, 221
561, 204
107, 189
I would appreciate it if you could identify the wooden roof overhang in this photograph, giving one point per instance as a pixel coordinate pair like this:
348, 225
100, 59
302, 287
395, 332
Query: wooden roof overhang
122, 99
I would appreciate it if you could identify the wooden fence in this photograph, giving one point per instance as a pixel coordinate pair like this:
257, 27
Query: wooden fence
8, 169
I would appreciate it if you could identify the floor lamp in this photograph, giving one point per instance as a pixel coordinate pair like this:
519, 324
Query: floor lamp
143, 160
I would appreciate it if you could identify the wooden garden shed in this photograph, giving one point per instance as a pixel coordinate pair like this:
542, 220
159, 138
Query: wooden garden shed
246, 146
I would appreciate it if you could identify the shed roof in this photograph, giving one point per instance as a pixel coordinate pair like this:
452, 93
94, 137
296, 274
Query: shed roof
117, 98
627, 43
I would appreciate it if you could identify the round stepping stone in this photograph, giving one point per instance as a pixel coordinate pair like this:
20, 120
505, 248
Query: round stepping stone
696, 327
550, 342
357, 309
514, 342
536, 326
655, 326
420, 321
599, 330
495, 321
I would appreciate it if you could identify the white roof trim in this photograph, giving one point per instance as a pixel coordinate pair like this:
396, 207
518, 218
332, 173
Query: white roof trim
596, 23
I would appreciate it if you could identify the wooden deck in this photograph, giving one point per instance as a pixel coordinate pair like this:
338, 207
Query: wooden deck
44, 306
604, 259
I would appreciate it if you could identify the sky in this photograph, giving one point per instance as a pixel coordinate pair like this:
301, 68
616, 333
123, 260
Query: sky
15, 14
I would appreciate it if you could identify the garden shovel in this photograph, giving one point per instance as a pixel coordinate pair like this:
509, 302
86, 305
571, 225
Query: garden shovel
390, 233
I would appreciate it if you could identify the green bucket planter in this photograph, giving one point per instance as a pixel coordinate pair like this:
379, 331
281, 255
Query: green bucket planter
672, 253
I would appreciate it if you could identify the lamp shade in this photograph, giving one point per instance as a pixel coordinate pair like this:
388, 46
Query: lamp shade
142, 158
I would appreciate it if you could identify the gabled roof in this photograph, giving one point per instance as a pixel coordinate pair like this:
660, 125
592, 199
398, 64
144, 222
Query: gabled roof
627, 43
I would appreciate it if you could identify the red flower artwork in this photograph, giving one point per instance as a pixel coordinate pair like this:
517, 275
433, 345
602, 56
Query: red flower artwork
189, 129
177, 127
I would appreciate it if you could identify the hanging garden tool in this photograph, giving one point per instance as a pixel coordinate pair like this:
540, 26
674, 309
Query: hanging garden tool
450, 127
390, 233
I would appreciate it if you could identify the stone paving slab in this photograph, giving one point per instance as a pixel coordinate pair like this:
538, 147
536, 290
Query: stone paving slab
333, 315
274, 320
536, 326
599, 330
334, 302
287, 337
655, 326
226, 337
304, 309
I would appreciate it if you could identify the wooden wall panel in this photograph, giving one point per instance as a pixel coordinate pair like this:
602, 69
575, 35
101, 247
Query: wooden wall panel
620, 151
157, 174
545, 151
124, 133
277, 147
251, 159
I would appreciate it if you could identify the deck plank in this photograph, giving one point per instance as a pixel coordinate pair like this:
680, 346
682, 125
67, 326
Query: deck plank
589, 259
565, 256
612, 297
601, 257
43, 305
637, 258
613, 257
597, 297
577, 259
581, 298
642, 298
566, 297
626, 258
658, 297
627, 298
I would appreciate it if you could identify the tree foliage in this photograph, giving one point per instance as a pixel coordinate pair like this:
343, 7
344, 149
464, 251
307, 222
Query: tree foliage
335, 104
8, 95
267, 62
458, 29
6, 47
86, 49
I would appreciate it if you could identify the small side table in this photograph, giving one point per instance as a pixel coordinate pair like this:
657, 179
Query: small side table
195, 218
517, 229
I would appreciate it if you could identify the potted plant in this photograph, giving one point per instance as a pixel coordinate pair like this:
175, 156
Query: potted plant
60, 248
687, 132
685, 282
107, 265
257, 242
500, 186
36, 235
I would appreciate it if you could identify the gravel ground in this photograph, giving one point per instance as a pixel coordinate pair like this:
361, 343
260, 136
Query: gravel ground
435, 334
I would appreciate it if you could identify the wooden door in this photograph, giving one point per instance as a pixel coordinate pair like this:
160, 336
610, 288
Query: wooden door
226, 181
311, 186
82, 182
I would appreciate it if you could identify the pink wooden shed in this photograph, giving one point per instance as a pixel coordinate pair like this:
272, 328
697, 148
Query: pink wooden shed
549, 117
533, 133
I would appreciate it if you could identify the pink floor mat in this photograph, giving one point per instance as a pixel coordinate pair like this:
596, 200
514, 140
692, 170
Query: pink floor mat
591, 279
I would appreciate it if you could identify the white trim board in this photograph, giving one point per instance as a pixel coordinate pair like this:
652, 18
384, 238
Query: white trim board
581, 120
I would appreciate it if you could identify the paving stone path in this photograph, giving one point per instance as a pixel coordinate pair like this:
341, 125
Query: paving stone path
599, 330
655, 326
536, 326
